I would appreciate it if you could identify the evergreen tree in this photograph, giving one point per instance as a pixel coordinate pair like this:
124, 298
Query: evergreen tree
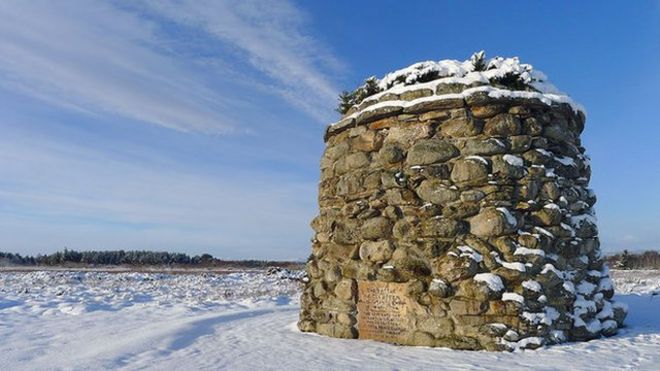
478, 60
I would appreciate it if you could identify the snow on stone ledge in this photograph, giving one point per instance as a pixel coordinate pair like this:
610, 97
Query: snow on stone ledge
453, 72
493, 281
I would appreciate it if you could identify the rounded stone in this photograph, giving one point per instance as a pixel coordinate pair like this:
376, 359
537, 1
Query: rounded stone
490, 146
491, 222
346, 289
391, 154
434, 191
376, 251
470, 170
461, 127
426, 152
376, 228
502, 125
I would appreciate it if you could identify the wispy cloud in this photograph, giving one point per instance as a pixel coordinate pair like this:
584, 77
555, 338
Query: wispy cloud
271, 36
129, 60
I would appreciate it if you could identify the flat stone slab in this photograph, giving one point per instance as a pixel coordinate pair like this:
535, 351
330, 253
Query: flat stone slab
382, 311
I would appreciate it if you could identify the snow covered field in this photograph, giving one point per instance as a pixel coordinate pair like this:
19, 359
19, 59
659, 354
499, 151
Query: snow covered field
246, 320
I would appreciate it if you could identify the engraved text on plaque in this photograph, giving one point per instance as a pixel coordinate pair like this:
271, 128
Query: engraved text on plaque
382, 311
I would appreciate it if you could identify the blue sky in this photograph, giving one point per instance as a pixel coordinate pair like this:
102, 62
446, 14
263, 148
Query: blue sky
196, 126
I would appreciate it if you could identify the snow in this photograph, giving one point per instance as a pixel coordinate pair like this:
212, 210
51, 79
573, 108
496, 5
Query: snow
470, 253
513, 160
586, 288
478, 158
527, 251
513, 266
492, 92
546, 317
544, 231
493, 281
551, 268
577, 220
532, 285
246, 321
512, 296
463, 72
510, 219
566, 161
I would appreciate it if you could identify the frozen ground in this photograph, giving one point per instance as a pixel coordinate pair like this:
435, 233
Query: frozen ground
236, 321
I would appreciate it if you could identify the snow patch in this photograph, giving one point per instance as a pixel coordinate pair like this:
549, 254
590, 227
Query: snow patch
493, 281
513, 160
512, 296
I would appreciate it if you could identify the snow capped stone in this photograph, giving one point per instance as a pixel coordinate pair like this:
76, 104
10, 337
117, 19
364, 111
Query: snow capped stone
509, 217
532, 285
469, 252
527, 251
544, 231
512, 296
493, 281
594, 326
513, 266
551, 268
567, 161
552, 206
477, 158
544, 152
546, 317
513, 160
609, 324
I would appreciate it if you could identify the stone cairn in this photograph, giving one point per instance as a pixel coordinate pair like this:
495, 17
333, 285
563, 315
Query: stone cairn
455, 212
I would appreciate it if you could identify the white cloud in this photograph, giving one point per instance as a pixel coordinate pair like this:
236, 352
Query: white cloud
105, 59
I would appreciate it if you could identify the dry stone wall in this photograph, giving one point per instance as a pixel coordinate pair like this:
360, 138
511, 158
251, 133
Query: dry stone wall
478, 204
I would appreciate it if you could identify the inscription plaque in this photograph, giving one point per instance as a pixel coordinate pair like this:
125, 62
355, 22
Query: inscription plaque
382, 310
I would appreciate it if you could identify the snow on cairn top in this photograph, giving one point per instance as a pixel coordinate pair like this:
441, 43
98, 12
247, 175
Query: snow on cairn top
499, 77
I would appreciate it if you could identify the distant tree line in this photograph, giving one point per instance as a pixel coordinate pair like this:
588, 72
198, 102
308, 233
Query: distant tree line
642, 260
133, 258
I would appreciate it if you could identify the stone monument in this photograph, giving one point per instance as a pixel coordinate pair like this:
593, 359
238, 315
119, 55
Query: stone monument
454, 211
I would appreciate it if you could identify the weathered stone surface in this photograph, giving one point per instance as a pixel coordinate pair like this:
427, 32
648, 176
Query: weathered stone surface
376, 228
488, 110
509, 166
436, 192
346, 289
441, 227
440, 288
432, 105
470, 171
491, 222
391, 154
488, 146
430, 151
375, 114
406, 135
376, 251
415, 94
367, 142
460, 127
463, 306
502, 125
